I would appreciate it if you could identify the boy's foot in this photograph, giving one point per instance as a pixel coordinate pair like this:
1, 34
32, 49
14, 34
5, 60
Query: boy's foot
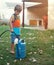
12, 52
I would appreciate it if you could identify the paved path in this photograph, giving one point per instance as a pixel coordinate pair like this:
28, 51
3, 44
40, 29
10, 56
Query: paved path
37, 28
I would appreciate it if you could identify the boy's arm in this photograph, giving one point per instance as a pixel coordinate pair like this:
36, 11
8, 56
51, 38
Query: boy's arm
10, 24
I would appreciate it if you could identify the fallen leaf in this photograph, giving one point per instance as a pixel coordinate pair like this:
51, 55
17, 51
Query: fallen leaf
8, 63
20, 59
51, 37
32, 59
1, 57
40, 51
35, 52
15, 61
7, 49
30, 53
52, 46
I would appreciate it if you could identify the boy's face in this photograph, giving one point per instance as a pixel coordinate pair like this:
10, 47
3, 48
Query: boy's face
17, 12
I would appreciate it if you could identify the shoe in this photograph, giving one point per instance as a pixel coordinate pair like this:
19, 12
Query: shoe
12, 52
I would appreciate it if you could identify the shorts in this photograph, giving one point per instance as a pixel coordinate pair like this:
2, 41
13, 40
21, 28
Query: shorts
15, 35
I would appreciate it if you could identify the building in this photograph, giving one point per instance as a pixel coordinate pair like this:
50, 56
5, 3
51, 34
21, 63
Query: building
33, 12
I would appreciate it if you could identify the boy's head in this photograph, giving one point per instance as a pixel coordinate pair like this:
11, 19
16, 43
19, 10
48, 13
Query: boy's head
18, 9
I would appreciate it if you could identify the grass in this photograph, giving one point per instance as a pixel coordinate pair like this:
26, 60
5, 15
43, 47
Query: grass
39, 46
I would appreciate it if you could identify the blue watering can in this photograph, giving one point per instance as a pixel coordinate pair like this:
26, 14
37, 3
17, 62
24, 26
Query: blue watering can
20, 49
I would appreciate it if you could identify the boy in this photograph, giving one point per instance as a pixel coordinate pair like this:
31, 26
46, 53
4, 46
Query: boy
15, 25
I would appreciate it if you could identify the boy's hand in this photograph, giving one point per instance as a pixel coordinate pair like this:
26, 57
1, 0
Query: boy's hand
11, 30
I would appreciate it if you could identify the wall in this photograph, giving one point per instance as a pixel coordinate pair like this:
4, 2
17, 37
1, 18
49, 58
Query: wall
36, 12
51, 14
39, 11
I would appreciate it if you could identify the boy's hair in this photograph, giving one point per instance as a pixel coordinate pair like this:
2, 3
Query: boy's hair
18, 8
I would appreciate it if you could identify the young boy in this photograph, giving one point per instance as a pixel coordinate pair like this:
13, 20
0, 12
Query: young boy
15, 25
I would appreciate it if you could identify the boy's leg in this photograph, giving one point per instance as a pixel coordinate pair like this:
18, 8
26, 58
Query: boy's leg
12, 43
12, 48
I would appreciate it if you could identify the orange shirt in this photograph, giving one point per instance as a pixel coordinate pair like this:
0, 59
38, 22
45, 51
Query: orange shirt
16, 23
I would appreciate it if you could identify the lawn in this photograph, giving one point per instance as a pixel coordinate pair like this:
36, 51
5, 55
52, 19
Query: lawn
39, 47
